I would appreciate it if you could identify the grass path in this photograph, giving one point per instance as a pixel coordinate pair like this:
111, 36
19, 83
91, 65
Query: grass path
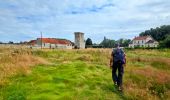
71, 81
85, 75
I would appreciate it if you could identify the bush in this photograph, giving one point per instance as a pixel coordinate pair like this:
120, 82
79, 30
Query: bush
165, 43
142, 48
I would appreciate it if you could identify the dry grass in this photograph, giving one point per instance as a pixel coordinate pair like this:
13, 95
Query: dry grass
159, 76
16, 60
147, 74
150, 59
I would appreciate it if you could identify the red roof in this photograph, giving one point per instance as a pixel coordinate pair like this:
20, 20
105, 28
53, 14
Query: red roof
55, 41
32, 42
141, 38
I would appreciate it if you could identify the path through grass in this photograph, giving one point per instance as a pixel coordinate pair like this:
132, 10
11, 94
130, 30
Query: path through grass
85, 75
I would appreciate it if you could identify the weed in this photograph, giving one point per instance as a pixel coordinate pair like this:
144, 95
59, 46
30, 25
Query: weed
81, 74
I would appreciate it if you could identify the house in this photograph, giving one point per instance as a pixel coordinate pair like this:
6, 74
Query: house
32, 43
143, 41
51, 43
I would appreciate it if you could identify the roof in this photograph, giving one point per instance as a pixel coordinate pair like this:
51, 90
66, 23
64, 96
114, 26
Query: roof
55, 41
151, 41
32, 42
141, 38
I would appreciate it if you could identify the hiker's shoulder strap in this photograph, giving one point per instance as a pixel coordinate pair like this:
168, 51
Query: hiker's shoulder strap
113, 51
122, 51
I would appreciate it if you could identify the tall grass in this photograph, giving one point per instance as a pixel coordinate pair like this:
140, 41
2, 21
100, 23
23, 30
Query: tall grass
83, 74
152, 77
16, 61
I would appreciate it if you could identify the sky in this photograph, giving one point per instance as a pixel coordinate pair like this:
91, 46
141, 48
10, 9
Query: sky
24, 20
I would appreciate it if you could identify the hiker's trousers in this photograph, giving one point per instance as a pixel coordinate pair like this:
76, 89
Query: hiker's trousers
117, 78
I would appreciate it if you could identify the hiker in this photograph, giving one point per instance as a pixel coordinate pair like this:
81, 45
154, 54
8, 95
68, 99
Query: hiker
117, 61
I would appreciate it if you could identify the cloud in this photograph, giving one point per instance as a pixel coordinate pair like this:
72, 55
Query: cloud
24, 20
92, 9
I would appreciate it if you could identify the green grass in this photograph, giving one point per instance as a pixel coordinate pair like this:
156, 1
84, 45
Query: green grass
85, 75
75, 80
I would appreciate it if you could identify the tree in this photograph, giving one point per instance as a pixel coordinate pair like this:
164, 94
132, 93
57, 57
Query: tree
126, 42
89, 42
107, 43
10, 42
166, 42
120, 41
123, 42
158, 33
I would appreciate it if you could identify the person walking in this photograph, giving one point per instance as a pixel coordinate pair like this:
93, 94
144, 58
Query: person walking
117, 62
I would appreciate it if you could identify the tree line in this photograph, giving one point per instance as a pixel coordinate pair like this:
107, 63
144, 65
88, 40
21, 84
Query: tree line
108, 43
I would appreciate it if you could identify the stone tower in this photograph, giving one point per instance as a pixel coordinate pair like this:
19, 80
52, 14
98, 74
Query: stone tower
79, 40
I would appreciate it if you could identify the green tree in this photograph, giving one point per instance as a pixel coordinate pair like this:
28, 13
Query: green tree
10, 42
158, 33
126, 42
107, 43
89, 42
123, 42
166, 42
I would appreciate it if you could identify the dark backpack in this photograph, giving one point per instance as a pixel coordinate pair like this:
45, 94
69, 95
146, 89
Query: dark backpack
118, 56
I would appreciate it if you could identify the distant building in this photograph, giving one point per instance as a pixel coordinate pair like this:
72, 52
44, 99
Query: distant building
51, 43
79, 40
32, 43
143, 41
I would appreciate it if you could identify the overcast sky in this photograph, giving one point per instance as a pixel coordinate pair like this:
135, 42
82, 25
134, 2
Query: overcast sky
22, 20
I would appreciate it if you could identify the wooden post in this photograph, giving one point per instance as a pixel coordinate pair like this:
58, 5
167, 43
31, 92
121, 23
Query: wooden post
41, 40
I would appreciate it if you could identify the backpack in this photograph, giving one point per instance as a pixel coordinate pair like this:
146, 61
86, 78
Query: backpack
118, 56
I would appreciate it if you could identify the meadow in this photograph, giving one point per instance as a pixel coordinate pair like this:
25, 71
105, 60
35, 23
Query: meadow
30, 74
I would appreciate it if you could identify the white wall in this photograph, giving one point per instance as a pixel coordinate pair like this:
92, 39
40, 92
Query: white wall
52, 46
64, 46
143, 44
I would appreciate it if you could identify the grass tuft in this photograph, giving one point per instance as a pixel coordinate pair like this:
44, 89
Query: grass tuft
82, 75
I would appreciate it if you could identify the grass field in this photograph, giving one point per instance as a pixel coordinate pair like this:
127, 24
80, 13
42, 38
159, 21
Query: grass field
82, 75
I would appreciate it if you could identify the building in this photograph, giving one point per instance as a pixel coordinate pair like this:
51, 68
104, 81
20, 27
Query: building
143, 41
79, 40
51, 43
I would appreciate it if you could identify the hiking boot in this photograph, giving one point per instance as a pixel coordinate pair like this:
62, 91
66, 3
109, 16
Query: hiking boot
120, 88
115, 83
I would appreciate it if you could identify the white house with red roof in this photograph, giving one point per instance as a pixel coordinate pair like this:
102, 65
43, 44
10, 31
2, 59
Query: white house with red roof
143, 41
51, 43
